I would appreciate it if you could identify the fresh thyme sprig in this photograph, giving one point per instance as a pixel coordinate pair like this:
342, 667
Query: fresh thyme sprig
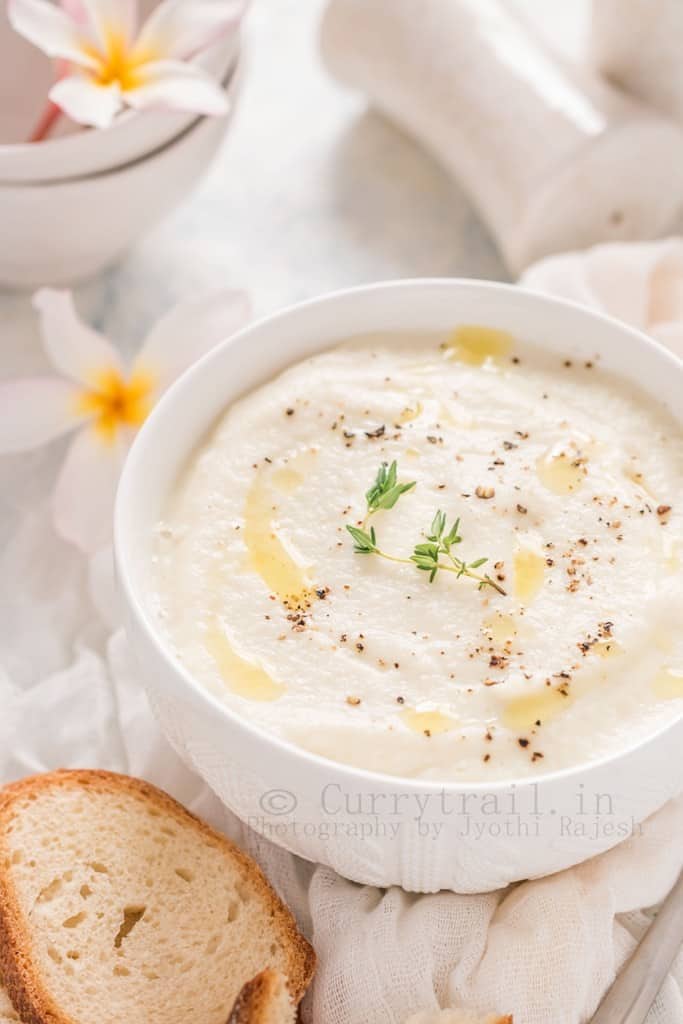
439, 542
426, 555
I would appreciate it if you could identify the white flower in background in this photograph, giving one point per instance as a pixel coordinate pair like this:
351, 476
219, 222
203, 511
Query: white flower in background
106, 402
640, 283
111, 63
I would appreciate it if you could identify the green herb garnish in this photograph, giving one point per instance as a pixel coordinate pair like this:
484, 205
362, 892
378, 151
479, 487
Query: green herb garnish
386, 490
364, 543
428, 555
439, 542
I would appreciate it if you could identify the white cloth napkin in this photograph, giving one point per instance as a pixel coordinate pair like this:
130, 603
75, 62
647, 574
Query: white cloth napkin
545, 950
641, 284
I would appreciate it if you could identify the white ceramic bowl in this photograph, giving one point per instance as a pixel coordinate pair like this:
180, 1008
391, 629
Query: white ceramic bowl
374, 828
59, 233
71, 151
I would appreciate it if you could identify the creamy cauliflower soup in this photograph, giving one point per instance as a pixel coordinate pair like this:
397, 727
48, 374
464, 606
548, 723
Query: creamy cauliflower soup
508, 598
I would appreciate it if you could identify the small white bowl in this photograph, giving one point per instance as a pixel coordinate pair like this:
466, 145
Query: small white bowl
59, 233
375, 828
72, 151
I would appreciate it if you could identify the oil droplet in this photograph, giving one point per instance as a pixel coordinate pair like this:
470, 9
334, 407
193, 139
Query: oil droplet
475, 345
429, 722
606, 648
268, 556
529, 569
671, 551
523, 712
412, 453
561, 471
286, 479
663, 640
410, 413
447, 416
500, 628
242, 677
636, 477
668, 683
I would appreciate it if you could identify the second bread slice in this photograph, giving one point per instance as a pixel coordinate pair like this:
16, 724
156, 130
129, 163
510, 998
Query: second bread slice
263, 1000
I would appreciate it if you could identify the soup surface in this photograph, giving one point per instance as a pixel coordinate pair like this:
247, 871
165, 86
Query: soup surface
394, 646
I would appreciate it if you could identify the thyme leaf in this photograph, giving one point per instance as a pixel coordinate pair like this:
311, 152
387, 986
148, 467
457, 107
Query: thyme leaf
431, 555
364, 543
386, 490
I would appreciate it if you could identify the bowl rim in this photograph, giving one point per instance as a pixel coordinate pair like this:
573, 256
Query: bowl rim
230, 82
134, 466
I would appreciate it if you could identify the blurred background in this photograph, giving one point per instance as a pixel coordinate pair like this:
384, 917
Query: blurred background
311, 191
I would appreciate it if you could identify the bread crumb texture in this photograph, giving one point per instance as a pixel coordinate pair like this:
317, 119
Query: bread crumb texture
118, 904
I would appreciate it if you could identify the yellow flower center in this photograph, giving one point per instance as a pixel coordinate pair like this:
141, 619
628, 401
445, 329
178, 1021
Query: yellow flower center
118, 63
114, 401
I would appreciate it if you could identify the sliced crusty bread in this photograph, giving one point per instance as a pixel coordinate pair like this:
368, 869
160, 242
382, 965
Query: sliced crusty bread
117, 904
264, 1000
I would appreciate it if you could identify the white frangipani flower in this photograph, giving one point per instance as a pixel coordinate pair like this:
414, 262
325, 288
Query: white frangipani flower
112, 64
106, 402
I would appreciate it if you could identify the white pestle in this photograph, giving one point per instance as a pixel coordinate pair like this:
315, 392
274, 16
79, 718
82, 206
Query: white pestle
637, 43
553, 157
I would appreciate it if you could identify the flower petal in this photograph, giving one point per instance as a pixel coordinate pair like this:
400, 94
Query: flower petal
104, 593
83, 501
172, 85
113, 21
181, 28
75, 10
75, 349
34, 410
86, 102
50, 29
187, 332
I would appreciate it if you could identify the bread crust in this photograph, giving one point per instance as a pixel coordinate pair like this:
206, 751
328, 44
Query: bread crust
23, 984
254, 1001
